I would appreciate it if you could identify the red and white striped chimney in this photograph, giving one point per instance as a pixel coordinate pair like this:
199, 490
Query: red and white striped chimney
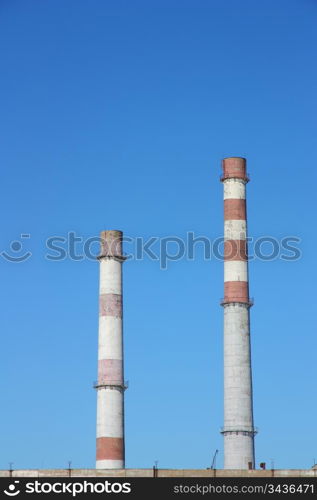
110, 385
238, 430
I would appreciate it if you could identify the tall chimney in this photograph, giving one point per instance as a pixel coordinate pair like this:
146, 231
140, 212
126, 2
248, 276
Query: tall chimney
238, 430
110, 386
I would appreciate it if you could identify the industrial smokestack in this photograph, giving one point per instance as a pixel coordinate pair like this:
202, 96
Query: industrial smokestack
110, 385
238, 430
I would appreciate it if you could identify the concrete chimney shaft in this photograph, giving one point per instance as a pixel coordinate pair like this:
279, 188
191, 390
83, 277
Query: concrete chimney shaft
238, 430
110, 385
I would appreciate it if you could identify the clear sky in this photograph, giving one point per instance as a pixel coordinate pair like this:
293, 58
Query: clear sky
115, 115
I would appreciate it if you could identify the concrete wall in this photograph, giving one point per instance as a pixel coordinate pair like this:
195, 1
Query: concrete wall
216, 473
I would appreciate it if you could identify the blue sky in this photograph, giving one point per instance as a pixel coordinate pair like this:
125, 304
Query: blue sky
116, 115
